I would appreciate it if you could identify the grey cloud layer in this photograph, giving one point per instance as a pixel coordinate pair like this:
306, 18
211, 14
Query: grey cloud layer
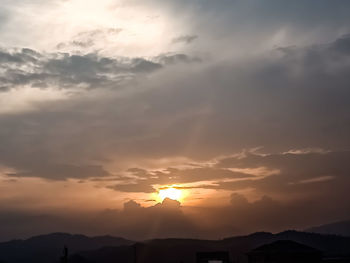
245, 27
295, 98
317, 176
62, 70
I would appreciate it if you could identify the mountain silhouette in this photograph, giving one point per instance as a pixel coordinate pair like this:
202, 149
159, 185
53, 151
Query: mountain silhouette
48, 248
184, 250
107, 249
338, 228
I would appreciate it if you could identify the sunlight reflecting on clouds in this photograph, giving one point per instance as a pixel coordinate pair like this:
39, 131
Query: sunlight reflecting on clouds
118, 28
142, 29
28, 99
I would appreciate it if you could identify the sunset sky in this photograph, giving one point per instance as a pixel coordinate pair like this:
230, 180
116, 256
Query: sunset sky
239, 110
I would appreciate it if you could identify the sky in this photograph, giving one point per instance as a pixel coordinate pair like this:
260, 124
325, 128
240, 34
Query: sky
240, 107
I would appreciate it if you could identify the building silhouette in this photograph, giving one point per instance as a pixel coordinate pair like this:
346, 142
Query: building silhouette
284, 251
213, 257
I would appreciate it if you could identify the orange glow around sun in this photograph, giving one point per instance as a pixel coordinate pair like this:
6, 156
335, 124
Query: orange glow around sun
172, 193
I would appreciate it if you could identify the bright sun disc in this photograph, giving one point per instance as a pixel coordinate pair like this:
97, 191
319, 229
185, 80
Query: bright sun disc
171, 193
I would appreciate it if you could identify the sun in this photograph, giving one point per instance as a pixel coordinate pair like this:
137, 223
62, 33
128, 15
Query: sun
172, 193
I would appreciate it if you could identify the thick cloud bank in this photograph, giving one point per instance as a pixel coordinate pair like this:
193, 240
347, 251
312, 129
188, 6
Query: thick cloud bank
242, 105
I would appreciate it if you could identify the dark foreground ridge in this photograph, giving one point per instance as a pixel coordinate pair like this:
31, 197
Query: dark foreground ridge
107, 249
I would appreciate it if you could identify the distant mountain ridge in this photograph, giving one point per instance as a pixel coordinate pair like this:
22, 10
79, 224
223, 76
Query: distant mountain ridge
341, 228
107, 249
46, 248
184, 250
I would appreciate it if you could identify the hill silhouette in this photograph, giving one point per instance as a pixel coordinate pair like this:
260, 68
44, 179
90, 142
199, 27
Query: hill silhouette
48, 248
184, 250
338, 228
107, 249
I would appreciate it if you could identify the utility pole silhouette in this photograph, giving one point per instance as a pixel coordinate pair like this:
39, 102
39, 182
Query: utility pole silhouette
135, 253
64, 257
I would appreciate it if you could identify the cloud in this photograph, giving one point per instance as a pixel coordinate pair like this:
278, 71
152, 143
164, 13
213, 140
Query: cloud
162, 220
319, 178
166, 219
172, 59
301, 178
170, 219
65, 71
87, 39
61, 171
26, 67
187, 39
143, 180
294, 98
143, 188
180, 121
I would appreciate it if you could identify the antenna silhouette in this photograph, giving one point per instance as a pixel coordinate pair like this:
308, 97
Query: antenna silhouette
64, 257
